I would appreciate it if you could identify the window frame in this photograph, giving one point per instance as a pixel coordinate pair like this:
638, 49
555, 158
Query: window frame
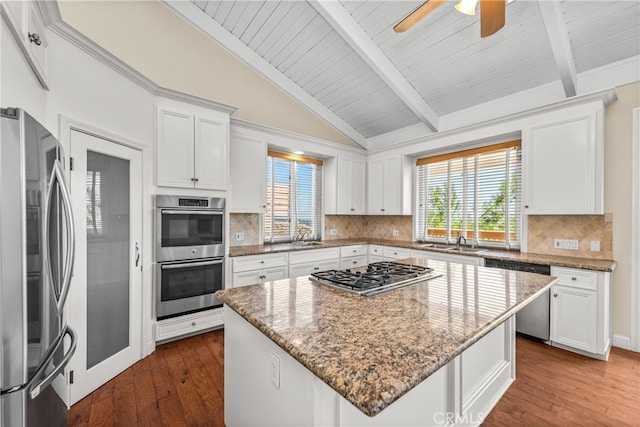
317, 200
469, 162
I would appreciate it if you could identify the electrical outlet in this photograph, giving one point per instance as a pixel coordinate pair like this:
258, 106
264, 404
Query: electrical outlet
275, 370
396, 233
595, 246
566, 244
239, 236
333, 232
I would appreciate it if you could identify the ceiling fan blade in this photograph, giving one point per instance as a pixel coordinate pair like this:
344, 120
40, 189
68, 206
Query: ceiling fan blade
491, 16
411, 19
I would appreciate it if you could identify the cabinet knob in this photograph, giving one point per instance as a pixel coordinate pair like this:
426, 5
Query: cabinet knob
193, 323
555, 295
354, 251
352, 209
263, 206
382, 210
35, 38
395, 253
261, 262
196, 179
574, 278
355, 262
526, 206
316, 268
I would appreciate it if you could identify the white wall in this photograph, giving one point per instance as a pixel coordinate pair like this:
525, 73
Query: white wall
89, 93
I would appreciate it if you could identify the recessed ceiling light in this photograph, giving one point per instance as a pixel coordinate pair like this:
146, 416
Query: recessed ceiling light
298, 152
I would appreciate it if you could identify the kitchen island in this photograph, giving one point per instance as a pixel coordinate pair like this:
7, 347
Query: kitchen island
299, 353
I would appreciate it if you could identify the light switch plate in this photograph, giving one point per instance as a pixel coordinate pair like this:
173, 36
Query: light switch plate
275, 370
566, 244
595, 246
396, 233
333, 232
239, 236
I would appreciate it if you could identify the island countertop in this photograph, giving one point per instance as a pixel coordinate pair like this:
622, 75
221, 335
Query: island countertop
372, 350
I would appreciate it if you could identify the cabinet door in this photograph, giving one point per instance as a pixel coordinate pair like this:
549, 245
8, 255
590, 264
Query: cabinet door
375, 187
38, 47
352, 262
248, 174
392, 191
560, 168
574, 317
344, 187
175, 149
358, 190
275, 273
300, 270
16, 13
245, 278
211, 153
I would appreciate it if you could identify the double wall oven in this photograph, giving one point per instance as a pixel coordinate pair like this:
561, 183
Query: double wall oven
190, 244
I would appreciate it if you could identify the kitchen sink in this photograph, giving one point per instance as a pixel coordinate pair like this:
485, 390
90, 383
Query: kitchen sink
304, 244
467, 250
459, 249
434, 246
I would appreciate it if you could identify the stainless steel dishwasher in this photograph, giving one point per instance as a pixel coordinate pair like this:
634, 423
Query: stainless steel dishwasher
533, 320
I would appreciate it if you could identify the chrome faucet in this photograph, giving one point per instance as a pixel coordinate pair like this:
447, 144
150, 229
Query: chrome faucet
301, 236
460, 239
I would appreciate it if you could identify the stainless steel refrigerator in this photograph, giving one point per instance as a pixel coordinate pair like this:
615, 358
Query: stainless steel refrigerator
36, 264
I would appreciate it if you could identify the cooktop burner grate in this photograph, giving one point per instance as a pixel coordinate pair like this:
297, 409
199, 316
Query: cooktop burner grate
376, 278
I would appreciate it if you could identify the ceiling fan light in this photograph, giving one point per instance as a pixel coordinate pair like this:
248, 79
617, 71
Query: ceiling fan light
468, 7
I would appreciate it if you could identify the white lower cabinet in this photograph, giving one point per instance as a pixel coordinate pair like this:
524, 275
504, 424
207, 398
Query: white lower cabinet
255, 269
580, 311
353, 256
182, 326
306, 262
391, 253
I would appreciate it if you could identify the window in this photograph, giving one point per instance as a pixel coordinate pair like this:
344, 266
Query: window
294, 194
474, 193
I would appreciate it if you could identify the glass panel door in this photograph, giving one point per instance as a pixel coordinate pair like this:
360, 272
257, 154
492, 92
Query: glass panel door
107, 225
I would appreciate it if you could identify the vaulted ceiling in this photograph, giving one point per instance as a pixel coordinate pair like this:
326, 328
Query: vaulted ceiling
343, 61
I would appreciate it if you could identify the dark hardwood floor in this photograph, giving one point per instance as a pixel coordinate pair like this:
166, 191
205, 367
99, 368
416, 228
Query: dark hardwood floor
181, 384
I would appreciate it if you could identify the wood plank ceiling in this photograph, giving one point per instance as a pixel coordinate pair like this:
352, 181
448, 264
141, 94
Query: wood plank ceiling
346, 56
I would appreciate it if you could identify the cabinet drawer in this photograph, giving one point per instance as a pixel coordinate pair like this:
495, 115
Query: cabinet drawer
355, 250
354, 261
185, 325
396, 253
244, 278
254, 262
313, 255
575, 278
375, 250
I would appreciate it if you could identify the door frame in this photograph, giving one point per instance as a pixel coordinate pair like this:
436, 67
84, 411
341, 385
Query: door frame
66, 126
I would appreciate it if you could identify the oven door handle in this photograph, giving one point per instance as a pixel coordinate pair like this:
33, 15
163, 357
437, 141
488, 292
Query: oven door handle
190, 264
191, 212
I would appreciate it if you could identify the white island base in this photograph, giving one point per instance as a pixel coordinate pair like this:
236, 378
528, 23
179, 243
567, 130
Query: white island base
265, 386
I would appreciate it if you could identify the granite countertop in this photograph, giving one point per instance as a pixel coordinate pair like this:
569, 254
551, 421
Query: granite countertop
560, 261
372, 350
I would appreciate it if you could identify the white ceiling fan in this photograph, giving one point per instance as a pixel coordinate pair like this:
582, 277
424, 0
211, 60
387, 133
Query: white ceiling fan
492, 14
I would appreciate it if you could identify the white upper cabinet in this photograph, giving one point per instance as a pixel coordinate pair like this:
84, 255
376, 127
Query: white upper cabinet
563, 162
27, 26
386, 187
192, 146
248, 174
351, 187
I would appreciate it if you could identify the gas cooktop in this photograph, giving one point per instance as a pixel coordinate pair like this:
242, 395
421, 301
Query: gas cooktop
376, 278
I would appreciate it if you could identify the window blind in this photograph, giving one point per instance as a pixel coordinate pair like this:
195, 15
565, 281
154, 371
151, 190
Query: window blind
474, 193
294, 198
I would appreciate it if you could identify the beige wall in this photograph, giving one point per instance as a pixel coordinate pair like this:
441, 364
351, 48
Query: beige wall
618, 158
171, 53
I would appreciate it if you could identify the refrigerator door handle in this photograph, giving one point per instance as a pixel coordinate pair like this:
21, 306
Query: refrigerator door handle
35, 389
71, 239
60, 296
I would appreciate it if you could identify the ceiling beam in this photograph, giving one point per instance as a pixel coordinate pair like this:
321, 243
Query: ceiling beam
193, 15
344, 24
559, 39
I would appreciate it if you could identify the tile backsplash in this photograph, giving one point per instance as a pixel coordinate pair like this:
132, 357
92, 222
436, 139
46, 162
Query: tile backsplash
246, 223
372, 226
543, 229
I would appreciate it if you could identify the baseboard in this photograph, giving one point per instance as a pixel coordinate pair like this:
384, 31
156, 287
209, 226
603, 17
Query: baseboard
622, 342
